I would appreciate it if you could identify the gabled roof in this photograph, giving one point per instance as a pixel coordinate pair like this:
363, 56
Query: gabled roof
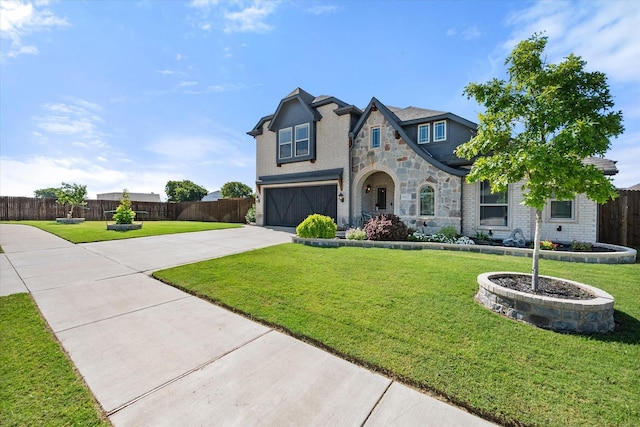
311, 103
395, 122
634, 187
413, 113
608, 167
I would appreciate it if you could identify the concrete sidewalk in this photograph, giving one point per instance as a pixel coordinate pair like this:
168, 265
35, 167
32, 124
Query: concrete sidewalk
153, 355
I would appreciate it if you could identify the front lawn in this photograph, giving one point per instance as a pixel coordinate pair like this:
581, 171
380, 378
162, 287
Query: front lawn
411, 315
38, 385
96, 231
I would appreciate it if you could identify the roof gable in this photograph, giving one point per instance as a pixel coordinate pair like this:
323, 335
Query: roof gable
394, 121
298, 98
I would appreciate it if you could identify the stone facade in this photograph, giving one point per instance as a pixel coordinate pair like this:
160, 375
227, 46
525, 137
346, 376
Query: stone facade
397, 166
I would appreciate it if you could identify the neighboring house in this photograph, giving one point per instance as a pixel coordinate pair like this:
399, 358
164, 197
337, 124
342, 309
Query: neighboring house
634, 187
212, 197
134, 197
322, 155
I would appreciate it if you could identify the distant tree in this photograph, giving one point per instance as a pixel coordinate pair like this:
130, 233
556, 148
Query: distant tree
72, 195
539, 126
46, 193
235, 189
184, 191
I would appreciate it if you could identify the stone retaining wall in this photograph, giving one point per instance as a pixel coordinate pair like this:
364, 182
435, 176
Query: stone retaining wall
562, 315
622, 255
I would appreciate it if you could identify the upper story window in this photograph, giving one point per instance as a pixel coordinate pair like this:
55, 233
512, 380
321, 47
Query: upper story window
423, 134
284, 143
375, 137
427, 201
562, 209
302, 140
440, 131
494, 207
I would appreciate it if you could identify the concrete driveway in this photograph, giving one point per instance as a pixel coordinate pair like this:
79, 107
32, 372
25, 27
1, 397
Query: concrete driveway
155, 356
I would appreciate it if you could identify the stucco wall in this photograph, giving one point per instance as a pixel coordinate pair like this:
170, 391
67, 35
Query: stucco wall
332, 151
582, 228
408, 171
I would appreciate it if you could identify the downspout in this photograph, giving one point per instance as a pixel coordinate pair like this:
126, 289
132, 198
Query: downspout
350, 184
461, 204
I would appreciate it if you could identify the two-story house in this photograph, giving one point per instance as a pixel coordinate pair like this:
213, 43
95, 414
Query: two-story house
322, 155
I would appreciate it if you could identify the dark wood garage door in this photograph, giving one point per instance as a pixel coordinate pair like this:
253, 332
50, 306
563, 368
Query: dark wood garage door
289, 206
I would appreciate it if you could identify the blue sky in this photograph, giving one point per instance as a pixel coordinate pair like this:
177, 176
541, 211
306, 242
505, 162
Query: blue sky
132, 94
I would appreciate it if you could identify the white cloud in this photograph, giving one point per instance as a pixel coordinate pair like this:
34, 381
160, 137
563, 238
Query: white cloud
604, 34
77, 121
19, 19
250, 19
470, 33
21, 177
321, 9
626, 150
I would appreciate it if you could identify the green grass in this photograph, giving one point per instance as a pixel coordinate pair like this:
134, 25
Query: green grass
96, 231
411, 315
38, 385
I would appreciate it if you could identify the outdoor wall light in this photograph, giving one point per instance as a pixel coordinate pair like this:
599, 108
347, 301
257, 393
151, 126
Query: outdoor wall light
341, 197
559, 228
368, 189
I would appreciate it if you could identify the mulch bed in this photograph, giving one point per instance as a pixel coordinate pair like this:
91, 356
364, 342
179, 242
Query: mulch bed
546, 287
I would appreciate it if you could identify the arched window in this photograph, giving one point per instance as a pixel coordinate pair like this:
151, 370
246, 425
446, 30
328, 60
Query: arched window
427, 201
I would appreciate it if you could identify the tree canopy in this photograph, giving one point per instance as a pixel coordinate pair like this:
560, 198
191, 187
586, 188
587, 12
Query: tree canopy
46, 193
72, 195
539, 126
235, 189
184, 191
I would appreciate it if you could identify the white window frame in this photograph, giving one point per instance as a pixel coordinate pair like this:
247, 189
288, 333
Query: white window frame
433, 190
428, 139
373, 129
481, 205
435, 131
296, 140
280, 143
572, 218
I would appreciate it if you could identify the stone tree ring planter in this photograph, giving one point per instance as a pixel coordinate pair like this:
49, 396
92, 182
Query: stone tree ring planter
582, 316
124, 227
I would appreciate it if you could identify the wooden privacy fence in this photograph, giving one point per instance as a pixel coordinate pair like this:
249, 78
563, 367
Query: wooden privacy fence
619, 220
223, 210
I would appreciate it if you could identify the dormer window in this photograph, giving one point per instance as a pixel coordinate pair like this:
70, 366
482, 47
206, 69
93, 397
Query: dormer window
284, 143
440, 131
302, 140
423, 134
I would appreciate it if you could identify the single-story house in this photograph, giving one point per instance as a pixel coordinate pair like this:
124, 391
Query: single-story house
323, 155
134, 197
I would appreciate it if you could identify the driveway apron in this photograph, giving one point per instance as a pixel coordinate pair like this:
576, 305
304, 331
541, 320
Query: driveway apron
156, 356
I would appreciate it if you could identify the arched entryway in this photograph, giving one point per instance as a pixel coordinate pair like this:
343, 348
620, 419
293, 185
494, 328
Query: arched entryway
375, 192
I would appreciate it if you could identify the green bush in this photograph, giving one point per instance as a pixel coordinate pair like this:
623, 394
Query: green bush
386, 227
317, 226
356, 234
251, 214
449, 232
124, 214
581, 246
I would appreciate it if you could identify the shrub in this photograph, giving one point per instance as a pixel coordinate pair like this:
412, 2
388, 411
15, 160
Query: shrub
481, 235
124, 214
251, 214
449, 232
356, 234
386, 227
317, 226
548, 245
581, 246
464, 240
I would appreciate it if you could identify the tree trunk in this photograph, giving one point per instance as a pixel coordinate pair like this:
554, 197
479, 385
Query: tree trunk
536, 252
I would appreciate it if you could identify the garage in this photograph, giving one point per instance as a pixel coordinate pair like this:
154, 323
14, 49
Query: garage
289, 206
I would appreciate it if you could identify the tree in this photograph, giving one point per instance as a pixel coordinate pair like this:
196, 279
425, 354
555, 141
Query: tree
539, 126
184, 191
72, 195
235, 189
124, 214
46, 193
